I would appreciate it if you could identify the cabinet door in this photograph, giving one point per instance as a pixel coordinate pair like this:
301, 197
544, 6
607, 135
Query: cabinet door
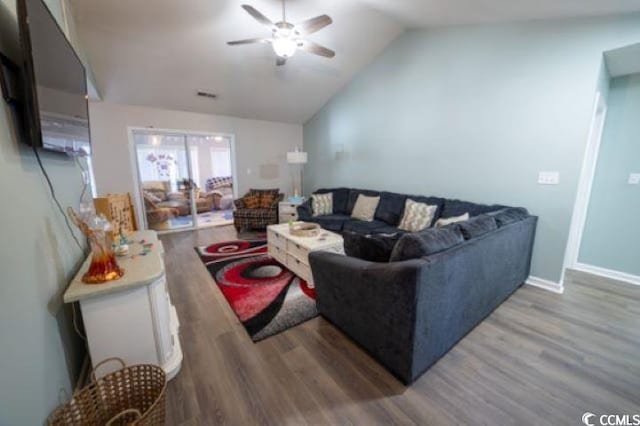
121, 325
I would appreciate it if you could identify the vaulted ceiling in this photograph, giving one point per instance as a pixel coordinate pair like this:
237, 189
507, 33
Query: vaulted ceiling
161, 52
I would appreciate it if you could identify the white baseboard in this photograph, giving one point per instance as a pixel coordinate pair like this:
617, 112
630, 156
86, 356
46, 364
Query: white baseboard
607, 273
545, 284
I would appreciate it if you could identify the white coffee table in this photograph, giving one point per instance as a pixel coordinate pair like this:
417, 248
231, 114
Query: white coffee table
293, 251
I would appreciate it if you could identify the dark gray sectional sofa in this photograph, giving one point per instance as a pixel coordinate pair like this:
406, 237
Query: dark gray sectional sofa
437, 284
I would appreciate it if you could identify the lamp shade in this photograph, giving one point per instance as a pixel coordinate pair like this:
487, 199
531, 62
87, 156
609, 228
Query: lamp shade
297, 157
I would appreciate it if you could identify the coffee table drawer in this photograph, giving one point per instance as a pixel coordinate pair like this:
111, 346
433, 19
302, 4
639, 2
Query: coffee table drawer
297, 251
300, 269
276, 239
278, 253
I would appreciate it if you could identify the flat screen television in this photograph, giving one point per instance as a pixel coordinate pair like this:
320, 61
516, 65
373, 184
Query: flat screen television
55, 106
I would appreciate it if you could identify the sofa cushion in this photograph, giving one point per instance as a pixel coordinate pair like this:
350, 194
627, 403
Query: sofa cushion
417, 216
340, 199
388, 230
477, 226
331, 222
456, 208
322, 204
353, 197
390, 207
509, 215
365, 208
373, 227
374, 248
425, 243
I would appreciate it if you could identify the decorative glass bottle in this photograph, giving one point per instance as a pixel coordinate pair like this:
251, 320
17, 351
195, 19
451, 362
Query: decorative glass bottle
103, 267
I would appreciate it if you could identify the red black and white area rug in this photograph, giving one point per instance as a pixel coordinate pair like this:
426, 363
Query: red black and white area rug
266, 296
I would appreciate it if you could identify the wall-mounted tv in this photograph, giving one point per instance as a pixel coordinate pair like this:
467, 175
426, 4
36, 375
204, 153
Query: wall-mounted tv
55, 107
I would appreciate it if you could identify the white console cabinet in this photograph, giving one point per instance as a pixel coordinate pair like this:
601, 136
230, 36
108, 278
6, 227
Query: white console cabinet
131, 318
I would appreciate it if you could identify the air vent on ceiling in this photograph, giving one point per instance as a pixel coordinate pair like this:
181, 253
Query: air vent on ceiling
205, 94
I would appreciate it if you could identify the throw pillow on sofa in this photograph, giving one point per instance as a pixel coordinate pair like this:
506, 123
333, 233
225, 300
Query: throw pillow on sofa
425, 243
365, 208
322, 204
449, 220
374, 248
416, 216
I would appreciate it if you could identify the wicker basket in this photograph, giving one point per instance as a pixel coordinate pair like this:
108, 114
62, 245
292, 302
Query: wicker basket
303, 229
132, 395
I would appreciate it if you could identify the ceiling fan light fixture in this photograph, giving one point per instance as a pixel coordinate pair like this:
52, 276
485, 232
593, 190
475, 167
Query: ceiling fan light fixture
284, 47
287, 38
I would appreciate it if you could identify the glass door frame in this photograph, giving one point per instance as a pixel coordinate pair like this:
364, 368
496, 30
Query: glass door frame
137, 177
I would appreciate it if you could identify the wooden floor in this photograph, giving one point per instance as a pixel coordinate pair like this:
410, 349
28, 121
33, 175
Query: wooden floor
540, 358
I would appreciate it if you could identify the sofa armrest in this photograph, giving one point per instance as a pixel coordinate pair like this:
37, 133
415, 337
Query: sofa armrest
276, 202
374, 303
239, 203
304, 210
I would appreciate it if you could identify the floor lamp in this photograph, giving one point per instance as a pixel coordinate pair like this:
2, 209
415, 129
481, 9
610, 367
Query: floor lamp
297, 158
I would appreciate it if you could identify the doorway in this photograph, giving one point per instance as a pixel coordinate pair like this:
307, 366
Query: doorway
604, 240
185, 179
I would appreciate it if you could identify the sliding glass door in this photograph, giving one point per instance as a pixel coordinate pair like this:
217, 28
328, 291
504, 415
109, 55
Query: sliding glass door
185, 180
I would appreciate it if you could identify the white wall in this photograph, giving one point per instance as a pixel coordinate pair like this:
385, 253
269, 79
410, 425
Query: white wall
261, 146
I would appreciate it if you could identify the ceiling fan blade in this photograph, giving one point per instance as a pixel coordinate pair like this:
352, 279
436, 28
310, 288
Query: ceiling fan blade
257, 15
248, 41
316, 49
312, 25
280, 61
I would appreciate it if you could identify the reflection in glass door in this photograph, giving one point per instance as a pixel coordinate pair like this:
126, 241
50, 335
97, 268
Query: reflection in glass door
212, 168
166, 187
186, 180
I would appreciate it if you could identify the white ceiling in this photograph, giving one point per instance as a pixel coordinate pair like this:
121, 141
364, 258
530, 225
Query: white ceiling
430, 13
160, 52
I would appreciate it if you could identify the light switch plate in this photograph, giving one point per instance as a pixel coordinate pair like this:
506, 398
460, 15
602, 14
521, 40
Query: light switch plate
549, 178
634, 179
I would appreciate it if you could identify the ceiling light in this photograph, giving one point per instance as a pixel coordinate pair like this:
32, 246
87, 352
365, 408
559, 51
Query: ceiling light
219, 138
284, 47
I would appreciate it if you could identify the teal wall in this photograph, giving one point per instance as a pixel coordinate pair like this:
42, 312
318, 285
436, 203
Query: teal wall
473, 112
39, 354
611, 237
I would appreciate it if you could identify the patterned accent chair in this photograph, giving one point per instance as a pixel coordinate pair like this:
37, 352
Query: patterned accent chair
257, 209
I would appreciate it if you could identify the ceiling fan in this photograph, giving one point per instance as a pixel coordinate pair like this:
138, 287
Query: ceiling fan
286, 37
